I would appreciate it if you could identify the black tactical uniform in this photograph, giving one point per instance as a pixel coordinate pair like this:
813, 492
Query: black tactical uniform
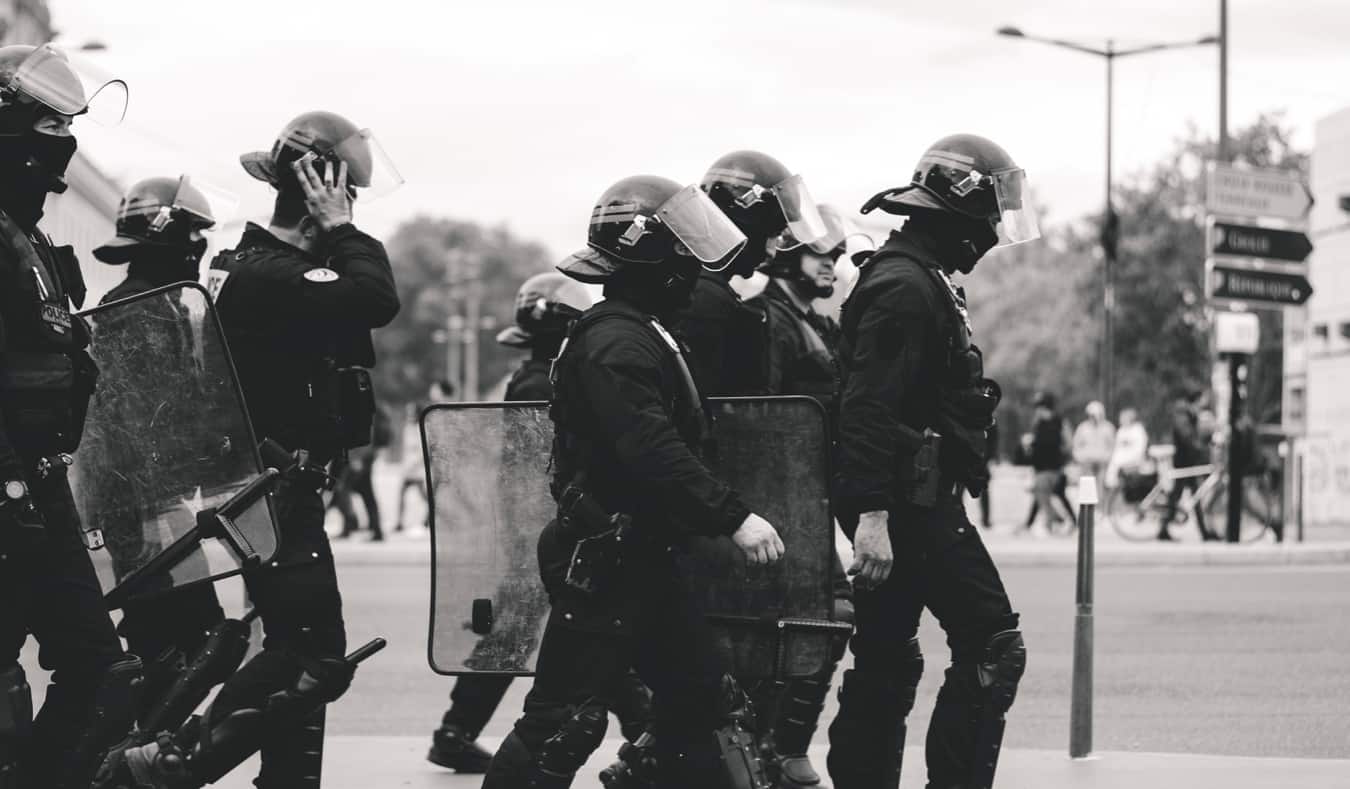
48, 587
630, 426
292, 319
908, 371
725, 336
158, 239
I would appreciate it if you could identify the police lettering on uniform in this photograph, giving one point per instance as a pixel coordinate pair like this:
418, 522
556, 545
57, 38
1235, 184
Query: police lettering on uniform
297, 301
800, 359
48, 586
159, 238
632, 490
914, 411
545, 307
772, 208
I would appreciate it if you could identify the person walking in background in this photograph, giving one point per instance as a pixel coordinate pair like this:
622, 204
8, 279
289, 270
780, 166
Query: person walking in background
357, 478
1050, 443
1093, 442
414, 473
985, 521
1190, 448
1129, 455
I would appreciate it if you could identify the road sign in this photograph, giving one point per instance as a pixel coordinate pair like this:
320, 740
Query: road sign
1259, 242
1236, 332
1277, 194
1262, 288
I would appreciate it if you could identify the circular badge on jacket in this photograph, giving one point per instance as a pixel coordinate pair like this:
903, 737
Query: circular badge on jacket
321, 275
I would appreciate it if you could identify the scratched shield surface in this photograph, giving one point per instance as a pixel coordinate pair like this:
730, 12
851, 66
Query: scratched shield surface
488, 476
167, 435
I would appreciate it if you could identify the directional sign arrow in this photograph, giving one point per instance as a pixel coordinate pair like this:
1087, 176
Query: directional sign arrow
1259, 242
1265, 193
1273, 287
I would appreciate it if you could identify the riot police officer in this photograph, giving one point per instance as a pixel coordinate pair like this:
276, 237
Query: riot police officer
801, 360
546, 305
913, 414
297, 301
47, 582
632, 490
772, 208
159, 238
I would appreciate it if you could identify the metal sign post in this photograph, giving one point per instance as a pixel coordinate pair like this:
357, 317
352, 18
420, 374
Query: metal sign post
1080, 708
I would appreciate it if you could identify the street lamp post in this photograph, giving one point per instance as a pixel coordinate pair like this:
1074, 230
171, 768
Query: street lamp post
1110, 233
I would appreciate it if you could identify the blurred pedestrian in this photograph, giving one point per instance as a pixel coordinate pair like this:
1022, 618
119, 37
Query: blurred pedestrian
993, 456
1129, 456
1050, 442
1190, 449
357, 478
414, 472
1093, 442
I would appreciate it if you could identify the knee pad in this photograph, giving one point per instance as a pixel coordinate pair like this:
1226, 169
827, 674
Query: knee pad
740, 753
1004, 663
566, 751
16, 723
224, 650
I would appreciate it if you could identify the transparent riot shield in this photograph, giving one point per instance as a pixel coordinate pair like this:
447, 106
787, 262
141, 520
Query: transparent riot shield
166, 439
488, 480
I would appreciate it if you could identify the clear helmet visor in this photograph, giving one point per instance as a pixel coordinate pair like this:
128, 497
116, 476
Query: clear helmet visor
700, 225
1017, 218
836, 230
804, 222
71, 86
369, 167
207, 204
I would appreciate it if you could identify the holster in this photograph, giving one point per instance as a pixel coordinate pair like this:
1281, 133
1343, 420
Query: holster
597, 537
924, 479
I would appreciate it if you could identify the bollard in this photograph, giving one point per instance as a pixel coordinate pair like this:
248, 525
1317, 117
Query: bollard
1080, 706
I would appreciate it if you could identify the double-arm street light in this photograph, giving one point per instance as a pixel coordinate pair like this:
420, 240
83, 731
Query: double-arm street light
1110, 222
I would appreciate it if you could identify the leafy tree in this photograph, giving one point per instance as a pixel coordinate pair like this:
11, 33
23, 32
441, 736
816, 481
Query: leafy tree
1037, 308
492, 260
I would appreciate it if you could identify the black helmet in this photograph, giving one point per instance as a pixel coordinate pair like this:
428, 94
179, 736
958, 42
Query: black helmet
787, 263
764, 199
546, 305
969, 176
645, 220
162, 212
48, 76
332, 138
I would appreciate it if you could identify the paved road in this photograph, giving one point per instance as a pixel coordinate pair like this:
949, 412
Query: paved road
1244, 661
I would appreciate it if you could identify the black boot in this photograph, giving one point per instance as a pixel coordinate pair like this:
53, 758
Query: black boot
455, 749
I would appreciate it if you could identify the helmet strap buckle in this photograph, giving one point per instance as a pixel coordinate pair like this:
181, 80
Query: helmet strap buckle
969, 184
751, 196
635, 231
162, 219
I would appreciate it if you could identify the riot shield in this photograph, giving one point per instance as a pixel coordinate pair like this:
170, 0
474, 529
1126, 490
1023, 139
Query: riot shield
488, 480
166, 438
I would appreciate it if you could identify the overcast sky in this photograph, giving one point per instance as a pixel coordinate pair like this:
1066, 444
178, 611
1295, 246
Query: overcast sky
523, 111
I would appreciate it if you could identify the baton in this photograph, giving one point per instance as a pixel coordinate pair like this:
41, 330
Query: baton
368, 649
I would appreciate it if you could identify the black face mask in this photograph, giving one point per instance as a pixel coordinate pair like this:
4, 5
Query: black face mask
32, 164
662, 290
961, 241
161, 265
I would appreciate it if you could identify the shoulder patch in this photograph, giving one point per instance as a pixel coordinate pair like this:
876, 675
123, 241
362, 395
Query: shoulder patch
321, 275
215, 280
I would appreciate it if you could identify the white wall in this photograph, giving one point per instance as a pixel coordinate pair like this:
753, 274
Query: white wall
1327, 337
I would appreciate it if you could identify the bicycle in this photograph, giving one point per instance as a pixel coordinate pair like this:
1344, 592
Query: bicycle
1141, 519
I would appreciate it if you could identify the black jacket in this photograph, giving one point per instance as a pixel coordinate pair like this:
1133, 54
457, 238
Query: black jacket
800, 356
896, 332
289, 315
726, 338
624, 417
45, 374
530, 380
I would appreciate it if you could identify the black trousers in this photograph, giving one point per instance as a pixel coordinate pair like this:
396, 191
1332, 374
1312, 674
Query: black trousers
48, 588
360, 482
941, 564
650, 621
301, 609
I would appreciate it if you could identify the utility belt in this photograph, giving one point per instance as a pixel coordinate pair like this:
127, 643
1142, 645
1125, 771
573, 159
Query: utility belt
597, 537
336, 413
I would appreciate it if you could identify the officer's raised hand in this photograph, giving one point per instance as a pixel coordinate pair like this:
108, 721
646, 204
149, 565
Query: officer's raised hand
326, 197
758, 540
872, 556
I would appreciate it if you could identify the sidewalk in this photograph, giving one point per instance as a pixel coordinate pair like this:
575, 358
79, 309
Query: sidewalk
397, 762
